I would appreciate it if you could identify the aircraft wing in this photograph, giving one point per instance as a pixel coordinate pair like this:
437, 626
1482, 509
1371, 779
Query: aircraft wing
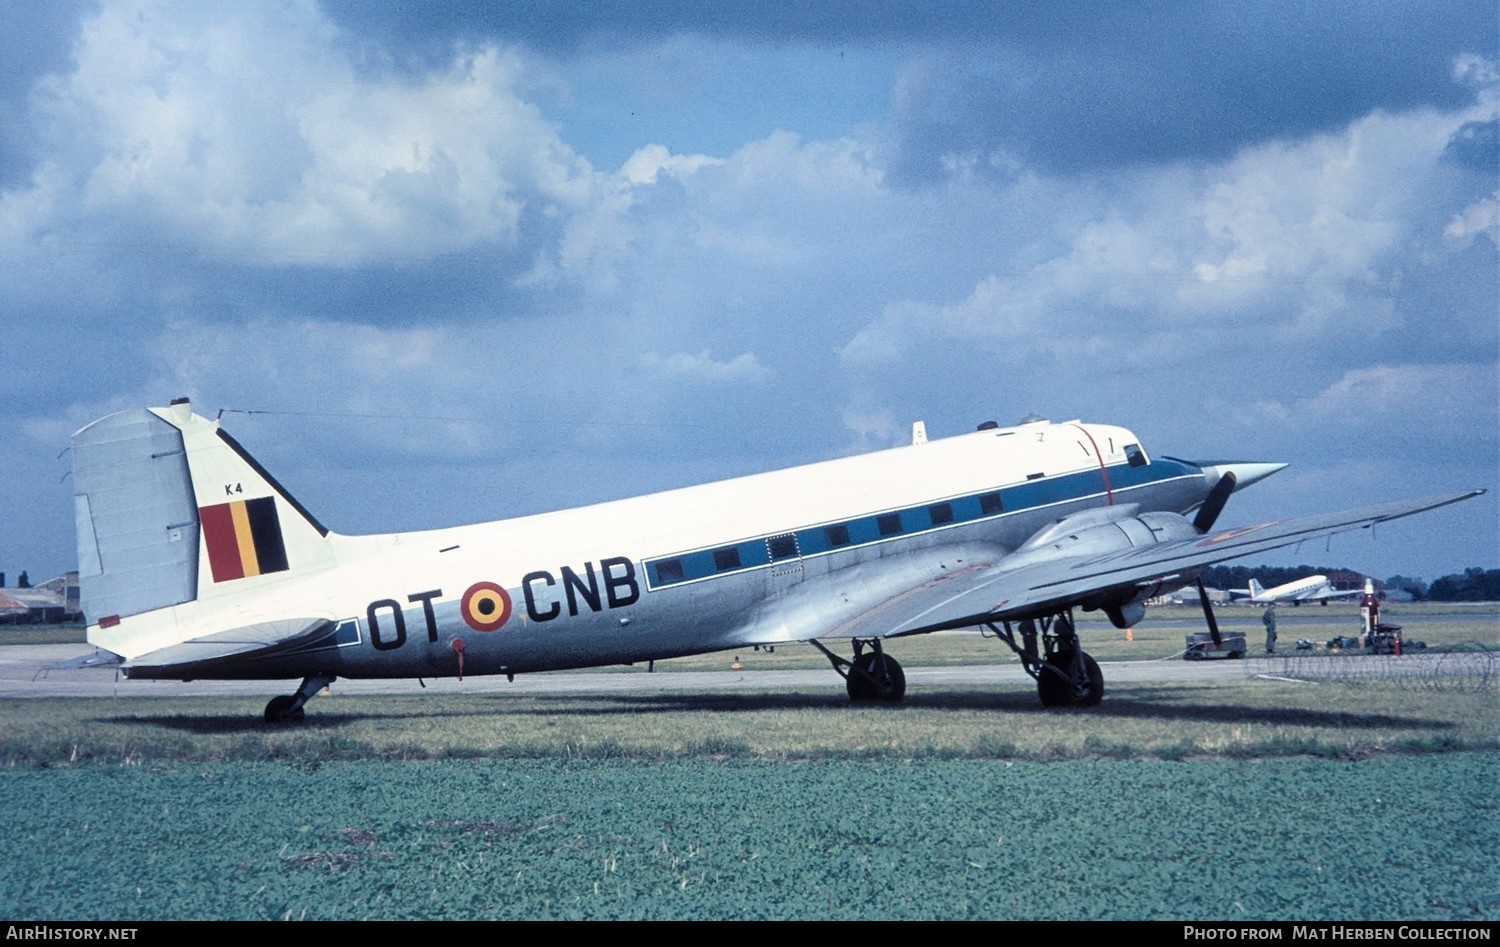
1333, 593
982, 589
873, 598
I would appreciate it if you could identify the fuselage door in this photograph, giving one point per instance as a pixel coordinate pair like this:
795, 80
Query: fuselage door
785, 554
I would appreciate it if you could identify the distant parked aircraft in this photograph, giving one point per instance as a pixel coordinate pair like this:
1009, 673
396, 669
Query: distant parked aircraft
1314, 588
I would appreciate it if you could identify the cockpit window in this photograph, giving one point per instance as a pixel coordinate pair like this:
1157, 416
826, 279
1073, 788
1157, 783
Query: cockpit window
1134, 455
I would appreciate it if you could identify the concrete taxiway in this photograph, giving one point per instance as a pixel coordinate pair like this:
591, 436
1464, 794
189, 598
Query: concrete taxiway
24, 673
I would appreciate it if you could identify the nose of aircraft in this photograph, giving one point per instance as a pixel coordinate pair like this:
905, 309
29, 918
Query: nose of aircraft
1245, 472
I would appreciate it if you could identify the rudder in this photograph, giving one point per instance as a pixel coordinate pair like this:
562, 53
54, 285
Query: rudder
135, 516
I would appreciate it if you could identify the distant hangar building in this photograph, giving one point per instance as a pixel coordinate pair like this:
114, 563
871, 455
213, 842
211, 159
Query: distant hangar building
52, 602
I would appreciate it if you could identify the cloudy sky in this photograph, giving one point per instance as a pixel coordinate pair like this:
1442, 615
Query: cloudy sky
471, 260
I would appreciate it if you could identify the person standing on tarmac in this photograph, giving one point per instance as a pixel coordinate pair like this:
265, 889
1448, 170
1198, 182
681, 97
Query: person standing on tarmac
1269, 620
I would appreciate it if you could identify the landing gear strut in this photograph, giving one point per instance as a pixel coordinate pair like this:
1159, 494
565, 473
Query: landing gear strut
872, 675
1065, 675
287, 708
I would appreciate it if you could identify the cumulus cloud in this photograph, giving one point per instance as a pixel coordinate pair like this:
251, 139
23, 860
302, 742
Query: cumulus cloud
1430, 398
247, 134
1122, 86
1480, 217
401, 241
651, 161
1303, 232
1478, 71
872, 429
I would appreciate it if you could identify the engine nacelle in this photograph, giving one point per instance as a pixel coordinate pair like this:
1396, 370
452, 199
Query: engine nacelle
1098, 532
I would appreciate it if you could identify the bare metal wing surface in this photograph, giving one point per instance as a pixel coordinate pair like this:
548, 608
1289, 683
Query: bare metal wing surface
1001, 591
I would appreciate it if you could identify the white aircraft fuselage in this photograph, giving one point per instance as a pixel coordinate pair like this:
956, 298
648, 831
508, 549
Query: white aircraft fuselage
196, 563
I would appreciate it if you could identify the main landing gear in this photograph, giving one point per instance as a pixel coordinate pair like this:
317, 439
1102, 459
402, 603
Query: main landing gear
288, 707
1065, 676
872, 675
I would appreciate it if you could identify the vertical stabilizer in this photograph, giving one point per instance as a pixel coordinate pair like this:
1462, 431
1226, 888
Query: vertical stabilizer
1255, 589
170, 509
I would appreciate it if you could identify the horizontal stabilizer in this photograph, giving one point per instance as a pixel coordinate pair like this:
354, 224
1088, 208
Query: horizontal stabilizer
98, 658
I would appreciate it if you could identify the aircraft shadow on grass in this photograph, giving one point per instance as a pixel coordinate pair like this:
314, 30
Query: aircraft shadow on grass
1153, 707
1165, 704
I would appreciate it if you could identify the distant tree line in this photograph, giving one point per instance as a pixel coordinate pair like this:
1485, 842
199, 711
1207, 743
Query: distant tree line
1473, 585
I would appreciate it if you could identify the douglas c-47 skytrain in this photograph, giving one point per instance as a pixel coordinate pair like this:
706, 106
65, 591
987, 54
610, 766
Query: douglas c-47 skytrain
194, 563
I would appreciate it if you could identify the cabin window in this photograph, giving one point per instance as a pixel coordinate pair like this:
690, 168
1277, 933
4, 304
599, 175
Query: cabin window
668, 571
1134, 455
941, 513
836, 535
889, 524
990, 504
726, 559
782, 547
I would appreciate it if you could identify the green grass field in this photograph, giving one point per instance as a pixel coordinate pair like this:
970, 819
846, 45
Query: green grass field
1395, 838
1239, 799
1235, 719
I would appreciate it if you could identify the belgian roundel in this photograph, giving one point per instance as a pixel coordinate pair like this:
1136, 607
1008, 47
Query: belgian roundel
485, 606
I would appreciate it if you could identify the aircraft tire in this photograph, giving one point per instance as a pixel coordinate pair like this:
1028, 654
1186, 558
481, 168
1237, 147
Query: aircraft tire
279, 710
1055, 691
873, 685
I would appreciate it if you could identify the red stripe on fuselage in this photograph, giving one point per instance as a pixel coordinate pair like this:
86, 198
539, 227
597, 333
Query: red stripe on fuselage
1109, 494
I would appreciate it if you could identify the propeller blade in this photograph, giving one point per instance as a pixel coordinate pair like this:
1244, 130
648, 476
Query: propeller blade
1214, 504
1208, 615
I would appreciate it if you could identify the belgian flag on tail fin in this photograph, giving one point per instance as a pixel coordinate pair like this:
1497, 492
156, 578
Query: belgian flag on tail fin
243, 538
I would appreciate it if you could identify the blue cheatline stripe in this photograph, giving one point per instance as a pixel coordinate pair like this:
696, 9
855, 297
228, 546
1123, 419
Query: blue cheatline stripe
754, 553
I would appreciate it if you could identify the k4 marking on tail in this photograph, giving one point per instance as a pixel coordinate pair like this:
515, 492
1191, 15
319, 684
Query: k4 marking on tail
194, 562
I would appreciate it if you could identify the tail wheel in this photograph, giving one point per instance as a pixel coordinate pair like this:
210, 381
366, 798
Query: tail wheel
876, 676
1056, 687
